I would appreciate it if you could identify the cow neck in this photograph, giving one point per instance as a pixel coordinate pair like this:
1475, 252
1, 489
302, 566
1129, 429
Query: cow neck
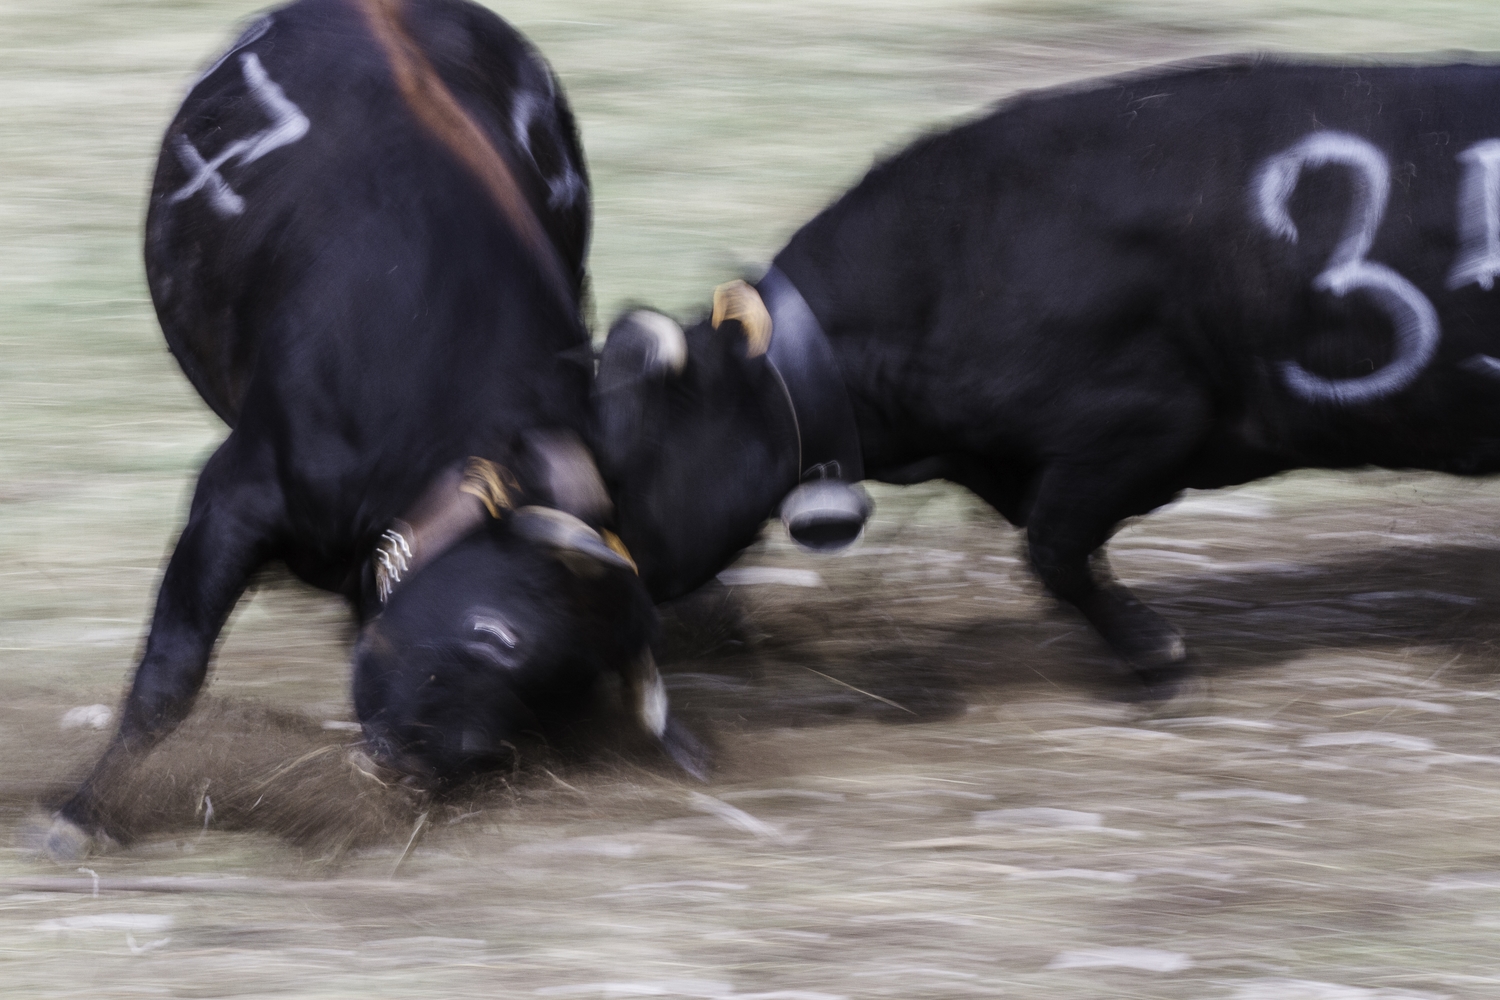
439, 112
459, 500
803, 359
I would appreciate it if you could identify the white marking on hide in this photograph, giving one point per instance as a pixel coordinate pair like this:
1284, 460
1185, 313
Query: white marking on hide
288, 124
496, 628
1478, 257
1414, 319
205, 177
1279, 175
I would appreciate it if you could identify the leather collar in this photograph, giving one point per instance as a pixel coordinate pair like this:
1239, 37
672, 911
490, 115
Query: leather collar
563, 500
801, 355
457, 502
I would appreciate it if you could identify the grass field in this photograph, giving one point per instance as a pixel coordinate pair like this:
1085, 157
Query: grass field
836, 854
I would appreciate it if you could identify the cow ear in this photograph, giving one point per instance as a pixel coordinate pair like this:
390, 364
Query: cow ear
642, 342
737, 300
578, 546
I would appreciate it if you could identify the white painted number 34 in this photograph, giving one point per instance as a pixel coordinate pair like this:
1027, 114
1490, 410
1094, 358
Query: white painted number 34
1411, 313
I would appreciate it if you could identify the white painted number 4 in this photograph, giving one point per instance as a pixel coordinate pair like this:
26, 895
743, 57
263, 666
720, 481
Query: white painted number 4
288, 124
1411, 313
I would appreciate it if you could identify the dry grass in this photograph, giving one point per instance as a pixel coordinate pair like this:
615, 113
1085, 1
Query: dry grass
923, 785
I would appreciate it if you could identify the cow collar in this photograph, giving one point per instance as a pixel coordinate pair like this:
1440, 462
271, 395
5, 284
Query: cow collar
463, 497
459, 500
802, 357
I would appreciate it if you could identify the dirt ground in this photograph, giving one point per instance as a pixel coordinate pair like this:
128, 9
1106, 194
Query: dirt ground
926, 781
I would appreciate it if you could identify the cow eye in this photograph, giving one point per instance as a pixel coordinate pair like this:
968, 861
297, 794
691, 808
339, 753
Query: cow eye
492, 626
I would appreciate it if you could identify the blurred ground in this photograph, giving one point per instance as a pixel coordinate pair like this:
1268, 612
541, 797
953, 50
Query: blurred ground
924, 787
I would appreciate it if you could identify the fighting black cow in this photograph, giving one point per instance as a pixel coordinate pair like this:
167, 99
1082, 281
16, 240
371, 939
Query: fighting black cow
365, 244
1078, 306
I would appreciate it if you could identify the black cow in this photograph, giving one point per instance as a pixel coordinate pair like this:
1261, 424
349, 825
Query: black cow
1081, 304
365, 244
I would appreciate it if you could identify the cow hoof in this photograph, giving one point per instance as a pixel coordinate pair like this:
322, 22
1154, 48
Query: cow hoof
1156, 684
65, 842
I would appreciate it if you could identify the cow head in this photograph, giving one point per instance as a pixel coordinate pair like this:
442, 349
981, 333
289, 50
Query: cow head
699, 443
507, 628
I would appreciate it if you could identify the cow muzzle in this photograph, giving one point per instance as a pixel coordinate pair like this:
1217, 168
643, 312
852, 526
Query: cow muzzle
826, 515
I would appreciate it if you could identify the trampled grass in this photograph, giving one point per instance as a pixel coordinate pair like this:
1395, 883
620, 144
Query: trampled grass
1220, 848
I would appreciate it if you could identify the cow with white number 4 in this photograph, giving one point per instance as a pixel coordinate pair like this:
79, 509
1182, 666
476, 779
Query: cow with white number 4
365, 245
1082, 304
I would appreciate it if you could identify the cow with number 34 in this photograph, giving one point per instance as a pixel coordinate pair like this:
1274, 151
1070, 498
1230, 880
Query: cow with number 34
1082, 304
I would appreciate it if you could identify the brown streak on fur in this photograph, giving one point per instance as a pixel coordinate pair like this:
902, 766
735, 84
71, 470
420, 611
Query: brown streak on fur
439, 111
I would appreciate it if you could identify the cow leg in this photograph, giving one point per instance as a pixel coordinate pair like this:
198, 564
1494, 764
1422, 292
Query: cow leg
235, 511
1079, 501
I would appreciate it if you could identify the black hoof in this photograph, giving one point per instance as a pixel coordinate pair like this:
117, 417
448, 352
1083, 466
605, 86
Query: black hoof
66, 843
1156, 684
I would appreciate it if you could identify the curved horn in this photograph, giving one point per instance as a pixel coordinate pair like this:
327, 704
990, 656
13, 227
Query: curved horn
648, 696
562, 531
739, 301
567, 473
652, 340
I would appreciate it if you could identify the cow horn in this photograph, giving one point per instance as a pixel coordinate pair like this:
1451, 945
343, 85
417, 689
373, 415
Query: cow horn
562, 531
825, 515
739, 301
648, 693
665, 344
648, 696
568, 474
